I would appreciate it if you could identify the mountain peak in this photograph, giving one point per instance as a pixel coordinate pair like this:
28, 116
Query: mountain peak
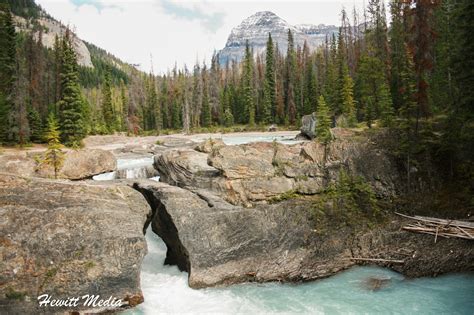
256, 27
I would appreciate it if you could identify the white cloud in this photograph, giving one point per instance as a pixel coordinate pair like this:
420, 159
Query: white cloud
177, 31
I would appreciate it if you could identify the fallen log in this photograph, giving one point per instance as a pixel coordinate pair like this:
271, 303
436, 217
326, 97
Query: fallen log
440, 227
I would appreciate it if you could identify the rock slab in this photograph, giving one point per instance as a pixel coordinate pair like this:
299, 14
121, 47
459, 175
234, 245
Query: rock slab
68, 239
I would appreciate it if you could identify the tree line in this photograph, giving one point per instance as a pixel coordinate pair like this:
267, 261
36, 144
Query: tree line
404, 76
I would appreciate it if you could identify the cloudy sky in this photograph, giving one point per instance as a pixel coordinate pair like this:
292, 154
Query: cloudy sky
177, 31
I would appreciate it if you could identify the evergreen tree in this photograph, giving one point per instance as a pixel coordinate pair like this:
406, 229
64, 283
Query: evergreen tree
248, 90
323, 126
269, 103
398, 54
289, 81
107, 107
36, 126
71, 104
125, 105
7, 73
375, 101
54, 156
206, 118
310, 89
347, 97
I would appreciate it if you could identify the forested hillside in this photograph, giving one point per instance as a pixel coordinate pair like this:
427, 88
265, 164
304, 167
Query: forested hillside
413, 76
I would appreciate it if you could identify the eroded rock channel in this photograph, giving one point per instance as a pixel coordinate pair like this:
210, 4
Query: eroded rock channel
224, 215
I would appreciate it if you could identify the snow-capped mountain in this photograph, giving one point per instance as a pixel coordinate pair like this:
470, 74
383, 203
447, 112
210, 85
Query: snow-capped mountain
255, 29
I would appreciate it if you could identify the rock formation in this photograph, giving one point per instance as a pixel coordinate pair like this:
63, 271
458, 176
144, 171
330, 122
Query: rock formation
78, 164
68, 239
220, 244
256, 172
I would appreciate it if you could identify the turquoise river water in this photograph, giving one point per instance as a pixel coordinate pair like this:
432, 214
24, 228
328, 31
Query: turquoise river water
166, 292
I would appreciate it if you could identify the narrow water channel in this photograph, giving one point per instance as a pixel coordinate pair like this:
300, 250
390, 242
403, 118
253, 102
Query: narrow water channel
166, 292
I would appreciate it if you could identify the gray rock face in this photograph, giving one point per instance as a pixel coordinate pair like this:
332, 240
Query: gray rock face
256, 172
308, 126
221, 244
255, 29
69, 239
52, 29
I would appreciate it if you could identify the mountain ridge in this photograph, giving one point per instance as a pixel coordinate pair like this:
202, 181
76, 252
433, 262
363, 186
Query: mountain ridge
256, 28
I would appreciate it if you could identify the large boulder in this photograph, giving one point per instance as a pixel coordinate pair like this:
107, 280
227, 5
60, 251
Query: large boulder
308, 126
81, 164
220, 244
69, 239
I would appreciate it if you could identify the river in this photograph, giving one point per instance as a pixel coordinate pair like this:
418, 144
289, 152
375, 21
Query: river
166, 291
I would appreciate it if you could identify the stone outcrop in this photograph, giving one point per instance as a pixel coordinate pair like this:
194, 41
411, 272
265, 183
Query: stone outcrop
184, 168
308, 126
220, 244
68, 239
208, 145
256, 172
78, 164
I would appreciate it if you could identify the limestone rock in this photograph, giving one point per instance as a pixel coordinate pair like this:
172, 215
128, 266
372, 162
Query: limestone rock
244, 161
68, 239
308, 126
220, 244
208, 145
82, 164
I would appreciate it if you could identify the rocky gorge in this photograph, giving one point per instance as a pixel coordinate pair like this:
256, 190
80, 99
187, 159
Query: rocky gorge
227, 214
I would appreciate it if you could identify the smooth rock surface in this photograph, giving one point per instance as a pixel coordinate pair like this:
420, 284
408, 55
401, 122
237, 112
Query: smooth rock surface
221, 244
68, 239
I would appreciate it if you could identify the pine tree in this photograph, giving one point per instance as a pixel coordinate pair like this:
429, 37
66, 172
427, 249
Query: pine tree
107, 107
289, 81
248, 90
54, 156
7, 73
71, 103
323, 126
206, 118
269, 103
347, 97
36, 126
398, 54
125, 106
310, 89
373, 90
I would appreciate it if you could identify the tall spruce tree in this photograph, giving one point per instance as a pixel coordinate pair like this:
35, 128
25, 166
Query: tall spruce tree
107, 107
206, 118
347, 97
70, 105
7, 73
289, 81
269, 104
323, 127
248, 89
